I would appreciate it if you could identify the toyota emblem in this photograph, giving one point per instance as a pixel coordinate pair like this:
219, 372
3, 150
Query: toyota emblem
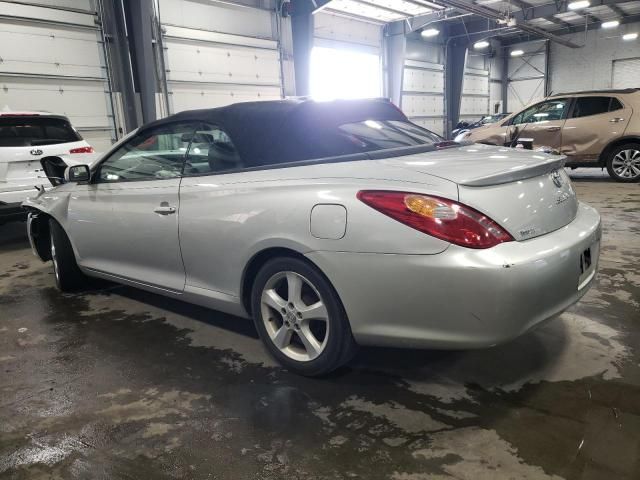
36, 151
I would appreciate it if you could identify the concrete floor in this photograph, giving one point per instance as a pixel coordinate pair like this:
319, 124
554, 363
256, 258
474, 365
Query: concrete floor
120, 384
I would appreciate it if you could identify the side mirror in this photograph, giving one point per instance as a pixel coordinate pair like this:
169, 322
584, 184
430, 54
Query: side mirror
77, 173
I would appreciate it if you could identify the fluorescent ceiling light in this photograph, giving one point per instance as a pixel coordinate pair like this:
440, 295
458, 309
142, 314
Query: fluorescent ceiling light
630, 36
610, 24
578, 5
481, 44
430, 32
517, 53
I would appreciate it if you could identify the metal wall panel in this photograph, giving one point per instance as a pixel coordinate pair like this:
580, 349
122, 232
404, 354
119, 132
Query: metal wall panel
207, 69
52, 60
422, 94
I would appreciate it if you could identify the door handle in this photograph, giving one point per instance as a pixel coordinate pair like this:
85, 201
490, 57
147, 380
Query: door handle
165, 210
616, 120
553, 129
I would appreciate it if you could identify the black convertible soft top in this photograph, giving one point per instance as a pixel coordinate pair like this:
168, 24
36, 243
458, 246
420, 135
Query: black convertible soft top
284, 131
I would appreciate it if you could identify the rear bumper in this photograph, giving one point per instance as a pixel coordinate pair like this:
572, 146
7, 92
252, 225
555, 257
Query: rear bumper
463, 298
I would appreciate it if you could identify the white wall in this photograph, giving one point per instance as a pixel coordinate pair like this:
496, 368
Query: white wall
591, 67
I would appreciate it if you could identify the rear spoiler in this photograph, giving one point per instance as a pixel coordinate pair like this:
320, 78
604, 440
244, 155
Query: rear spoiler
517, 173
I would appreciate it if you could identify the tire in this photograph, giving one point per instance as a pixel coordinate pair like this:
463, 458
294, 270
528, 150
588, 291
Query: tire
623, 163
308, 341
68, 276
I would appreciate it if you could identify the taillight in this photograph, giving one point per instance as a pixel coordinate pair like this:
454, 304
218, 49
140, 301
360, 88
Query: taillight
81, 150
442, 218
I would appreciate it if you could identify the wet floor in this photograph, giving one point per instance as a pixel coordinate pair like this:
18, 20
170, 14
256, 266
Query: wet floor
121, 384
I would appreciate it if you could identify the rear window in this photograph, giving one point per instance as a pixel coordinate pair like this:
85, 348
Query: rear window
372, 135
33, 131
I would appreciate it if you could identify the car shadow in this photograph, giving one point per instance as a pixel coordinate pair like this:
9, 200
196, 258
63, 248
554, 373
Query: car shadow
527, 359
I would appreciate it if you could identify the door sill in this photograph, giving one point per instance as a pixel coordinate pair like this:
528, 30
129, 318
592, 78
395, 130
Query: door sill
92, 272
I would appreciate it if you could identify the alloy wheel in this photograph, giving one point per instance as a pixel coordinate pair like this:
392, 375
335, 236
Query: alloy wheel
295, 316
626, 164
54, 259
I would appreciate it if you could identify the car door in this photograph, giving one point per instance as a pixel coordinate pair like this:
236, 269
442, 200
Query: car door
125, 222
541, 124
213, 209
593, 123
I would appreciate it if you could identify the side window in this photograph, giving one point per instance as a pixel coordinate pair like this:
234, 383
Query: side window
517, 119
586, 106
615, 105
211, 151
546, 111
154, 154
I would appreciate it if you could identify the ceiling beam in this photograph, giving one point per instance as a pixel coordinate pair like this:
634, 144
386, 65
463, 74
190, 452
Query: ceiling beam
577, 29
617, 10
518, 22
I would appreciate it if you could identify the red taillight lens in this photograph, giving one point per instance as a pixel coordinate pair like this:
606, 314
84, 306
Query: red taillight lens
442, 218
81, 150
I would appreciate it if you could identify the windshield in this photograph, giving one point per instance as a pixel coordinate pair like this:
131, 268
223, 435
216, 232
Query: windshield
25, 131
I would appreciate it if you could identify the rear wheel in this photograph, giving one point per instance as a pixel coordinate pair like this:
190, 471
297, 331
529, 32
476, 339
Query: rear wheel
300, 318
623, 163
68, 276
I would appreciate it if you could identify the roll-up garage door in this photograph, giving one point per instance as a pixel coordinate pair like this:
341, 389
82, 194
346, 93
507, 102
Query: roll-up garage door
51, 59
345, 61
626, 73
475, 94
422, 98
205, 68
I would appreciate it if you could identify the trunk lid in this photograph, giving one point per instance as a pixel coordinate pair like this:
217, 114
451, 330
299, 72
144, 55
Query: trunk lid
527, 193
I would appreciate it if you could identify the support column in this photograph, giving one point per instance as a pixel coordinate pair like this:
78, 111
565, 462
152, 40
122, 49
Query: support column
505, 80
395, 43
119, 62
455, 60
302, 34
139, 15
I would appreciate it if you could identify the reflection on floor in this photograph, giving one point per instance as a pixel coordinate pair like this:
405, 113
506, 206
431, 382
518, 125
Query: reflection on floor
117, 383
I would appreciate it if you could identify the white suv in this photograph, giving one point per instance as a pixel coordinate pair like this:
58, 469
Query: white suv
26, 139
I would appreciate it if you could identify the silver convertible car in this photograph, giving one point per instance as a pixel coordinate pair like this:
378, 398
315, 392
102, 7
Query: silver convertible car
332, 224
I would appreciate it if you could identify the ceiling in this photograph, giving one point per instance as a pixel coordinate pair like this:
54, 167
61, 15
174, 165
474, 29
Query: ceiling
549, 16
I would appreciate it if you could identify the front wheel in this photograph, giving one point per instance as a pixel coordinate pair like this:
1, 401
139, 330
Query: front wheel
300, 318
68, 276
623, 163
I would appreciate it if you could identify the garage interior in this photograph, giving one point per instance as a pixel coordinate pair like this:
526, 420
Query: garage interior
119, 383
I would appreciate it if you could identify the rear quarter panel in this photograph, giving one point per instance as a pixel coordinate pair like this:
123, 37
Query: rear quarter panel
227, 219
